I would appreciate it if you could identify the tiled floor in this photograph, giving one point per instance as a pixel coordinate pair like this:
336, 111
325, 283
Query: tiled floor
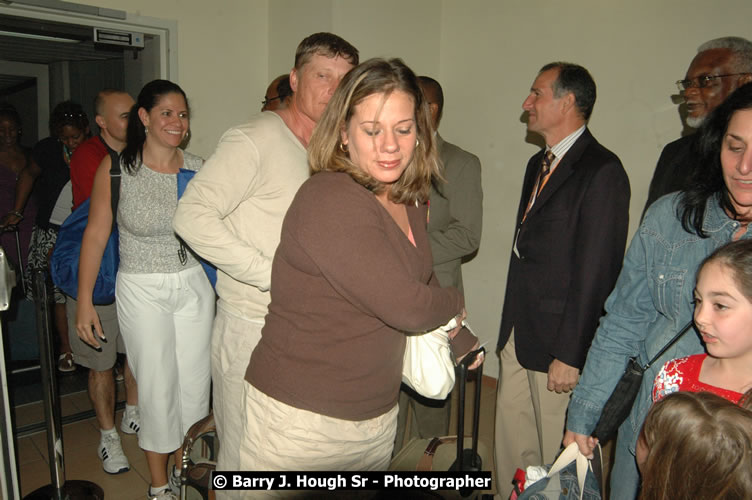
80, 440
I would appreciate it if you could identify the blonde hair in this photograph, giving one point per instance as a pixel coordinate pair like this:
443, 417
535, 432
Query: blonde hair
700, 446
376, 76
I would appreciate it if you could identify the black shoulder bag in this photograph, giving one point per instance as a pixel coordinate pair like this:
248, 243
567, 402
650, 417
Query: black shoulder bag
618, 406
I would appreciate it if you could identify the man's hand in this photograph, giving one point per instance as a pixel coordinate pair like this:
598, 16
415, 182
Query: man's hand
562, 377
585, 443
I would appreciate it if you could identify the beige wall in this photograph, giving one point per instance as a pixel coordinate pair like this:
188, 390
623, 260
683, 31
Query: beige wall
634, 50
389, 28
486, 54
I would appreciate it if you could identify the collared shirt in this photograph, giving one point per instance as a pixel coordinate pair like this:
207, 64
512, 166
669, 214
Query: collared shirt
560, 149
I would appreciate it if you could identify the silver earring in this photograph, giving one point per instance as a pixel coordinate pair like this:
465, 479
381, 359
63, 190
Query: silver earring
146, 130
417, 142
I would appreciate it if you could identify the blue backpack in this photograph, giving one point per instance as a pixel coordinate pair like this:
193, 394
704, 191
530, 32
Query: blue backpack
64, 261
184, 177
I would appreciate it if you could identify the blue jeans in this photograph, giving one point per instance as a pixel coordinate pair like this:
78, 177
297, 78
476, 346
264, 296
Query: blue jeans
625, 478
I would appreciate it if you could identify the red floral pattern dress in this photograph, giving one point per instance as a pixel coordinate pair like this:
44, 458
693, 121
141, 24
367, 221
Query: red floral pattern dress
683, 374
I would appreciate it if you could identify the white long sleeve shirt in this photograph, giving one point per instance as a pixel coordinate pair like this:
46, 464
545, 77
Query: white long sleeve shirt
231, 213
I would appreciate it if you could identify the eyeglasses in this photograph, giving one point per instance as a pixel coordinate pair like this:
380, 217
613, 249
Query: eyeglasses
701, 81
267, 100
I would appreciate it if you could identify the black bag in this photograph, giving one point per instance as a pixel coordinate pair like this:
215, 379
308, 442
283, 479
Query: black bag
618, 406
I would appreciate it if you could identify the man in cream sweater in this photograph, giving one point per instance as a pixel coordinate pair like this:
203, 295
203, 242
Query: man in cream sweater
231, 214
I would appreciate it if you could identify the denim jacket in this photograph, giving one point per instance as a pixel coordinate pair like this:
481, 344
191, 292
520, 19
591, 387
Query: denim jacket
651, 302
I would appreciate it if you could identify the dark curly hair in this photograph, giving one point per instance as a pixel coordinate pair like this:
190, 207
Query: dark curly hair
67, 113
707, 178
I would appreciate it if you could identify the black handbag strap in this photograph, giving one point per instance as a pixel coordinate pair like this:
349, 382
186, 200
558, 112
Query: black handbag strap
596, 465
670, 343
114, 182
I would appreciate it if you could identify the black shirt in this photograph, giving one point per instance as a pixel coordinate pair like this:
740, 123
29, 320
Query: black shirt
674, 169
48, 155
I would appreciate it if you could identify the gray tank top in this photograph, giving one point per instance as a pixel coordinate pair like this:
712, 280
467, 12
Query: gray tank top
148, 200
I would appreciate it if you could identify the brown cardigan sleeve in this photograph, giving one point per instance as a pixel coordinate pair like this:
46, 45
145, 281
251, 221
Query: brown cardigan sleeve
363, 255
464, 341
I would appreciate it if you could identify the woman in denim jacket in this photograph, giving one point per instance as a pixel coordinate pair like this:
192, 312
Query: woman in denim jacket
653, 296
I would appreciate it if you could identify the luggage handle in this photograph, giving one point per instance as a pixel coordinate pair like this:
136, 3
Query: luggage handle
462, 367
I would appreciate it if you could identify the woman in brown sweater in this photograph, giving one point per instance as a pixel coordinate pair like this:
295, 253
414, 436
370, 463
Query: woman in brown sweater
352, 274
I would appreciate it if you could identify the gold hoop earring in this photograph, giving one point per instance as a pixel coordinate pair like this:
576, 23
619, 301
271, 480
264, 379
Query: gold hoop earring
146, 130
417, 142
343, 147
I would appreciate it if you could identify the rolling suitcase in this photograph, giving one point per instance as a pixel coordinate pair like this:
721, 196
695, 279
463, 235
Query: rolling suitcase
448, 452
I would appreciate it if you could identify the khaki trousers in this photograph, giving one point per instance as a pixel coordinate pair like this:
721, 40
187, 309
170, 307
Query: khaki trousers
233, 341
529, 419
279, 437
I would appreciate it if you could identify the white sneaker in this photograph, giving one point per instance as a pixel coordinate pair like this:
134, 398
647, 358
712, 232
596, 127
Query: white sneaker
162, 495
131, 422
174, 481
111, 453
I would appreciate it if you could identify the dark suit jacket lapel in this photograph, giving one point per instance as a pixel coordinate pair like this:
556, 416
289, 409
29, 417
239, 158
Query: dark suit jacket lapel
563, 170
528, 183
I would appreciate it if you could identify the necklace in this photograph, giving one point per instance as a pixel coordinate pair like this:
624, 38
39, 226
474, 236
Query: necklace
66, 155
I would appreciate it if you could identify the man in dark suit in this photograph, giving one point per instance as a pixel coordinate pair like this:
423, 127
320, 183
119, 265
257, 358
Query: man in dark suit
454, 228
568, 247
721, 66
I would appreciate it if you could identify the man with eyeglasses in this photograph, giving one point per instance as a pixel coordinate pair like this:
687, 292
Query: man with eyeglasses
277, 94
721, 66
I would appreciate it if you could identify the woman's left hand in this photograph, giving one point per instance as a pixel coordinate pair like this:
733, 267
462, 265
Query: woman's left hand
478, 359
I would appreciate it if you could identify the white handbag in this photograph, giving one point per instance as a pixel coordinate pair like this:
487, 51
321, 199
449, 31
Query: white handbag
428, 366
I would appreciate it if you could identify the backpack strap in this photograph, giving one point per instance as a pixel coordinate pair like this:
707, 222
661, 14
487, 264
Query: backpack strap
114, 183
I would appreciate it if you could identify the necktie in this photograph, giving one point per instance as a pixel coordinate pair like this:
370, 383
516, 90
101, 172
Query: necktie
548, 159
545, 169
